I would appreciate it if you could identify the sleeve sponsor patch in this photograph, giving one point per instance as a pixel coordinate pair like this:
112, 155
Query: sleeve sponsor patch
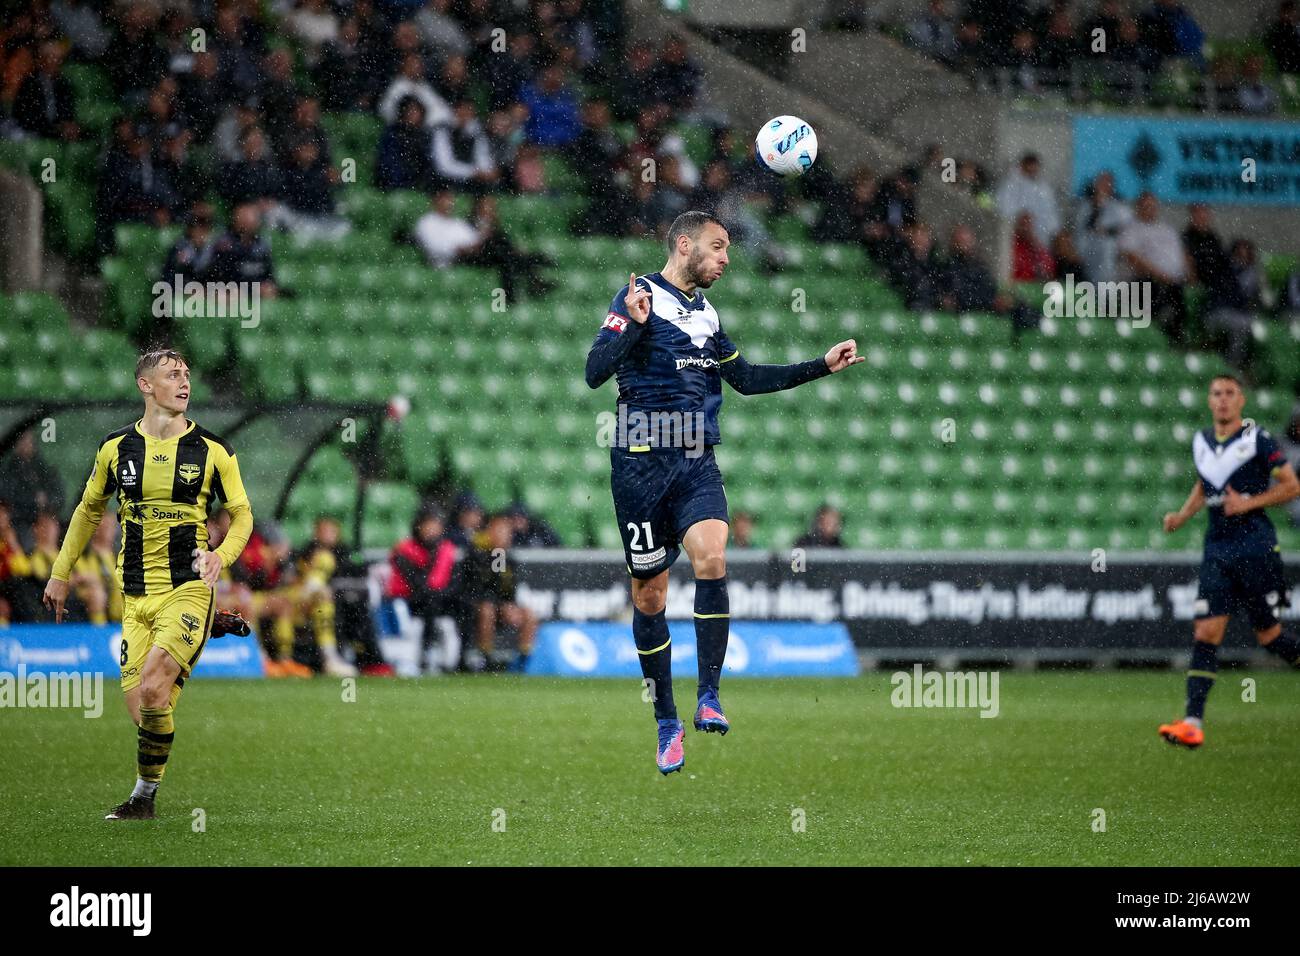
616, 322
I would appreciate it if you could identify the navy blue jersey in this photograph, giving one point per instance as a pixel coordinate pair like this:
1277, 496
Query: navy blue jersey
1245, 460
675, 362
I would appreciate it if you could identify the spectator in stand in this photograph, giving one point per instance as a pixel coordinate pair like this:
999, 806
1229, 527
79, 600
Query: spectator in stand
14, 570
552, 109
934, 33
264, 573
278, 93
1290, 442
1154, 253
242, 255
1247, 274
30, 485
411, 82
1060, 46
1170, 31
825, 531
633, 83
596, 153
1066, 259
530, 530
184, 181
40, 559
466, 518
1254, 96
675, 79
845, 217
916, 271
307, 195
507, 73
486, 583
254, 177
44, 107
190, 256
345, 76
505, 135
1282, 39
730, 204
1031, 260
129, 188
315, 25
421, 578
238, 71
440, 31
134, 59
199, 97
462, 155
742, 529
447, 240
967, 285
453, 82
305, 125
1025, 190
405, 158
1227, 307
1099, 220
82, 24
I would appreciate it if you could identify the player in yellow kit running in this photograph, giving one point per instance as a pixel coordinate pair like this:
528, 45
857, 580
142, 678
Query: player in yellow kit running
166, 471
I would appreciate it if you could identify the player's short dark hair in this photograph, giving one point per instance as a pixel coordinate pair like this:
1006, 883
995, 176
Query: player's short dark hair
1228, 376
155, 357
689, 224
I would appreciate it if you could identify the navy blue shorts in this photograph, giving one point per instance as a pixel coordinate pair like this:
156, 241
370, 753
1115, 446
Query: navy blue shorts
1252, 584
658, 495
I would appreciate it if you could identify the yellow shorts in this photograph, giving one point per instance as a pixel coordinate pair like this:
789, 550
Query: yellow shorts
179, 622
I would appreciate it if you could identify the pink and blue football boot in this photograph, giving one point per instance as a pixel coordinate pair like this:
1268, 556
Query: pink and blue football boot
670, 757
709, 717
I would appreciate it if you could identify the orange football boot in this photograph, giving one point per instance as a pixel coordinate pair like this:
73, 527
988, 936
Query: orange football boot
1181, 732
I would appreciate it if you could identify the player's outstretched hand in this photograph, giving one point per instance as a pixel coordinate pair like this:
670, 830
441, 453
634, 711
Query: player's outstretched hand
843, 355
56, 592
208, 564
1172, 522
637, 301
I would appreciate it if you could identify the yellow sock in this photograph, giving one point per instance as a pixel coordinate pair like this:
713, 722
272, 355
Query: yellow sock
156, 733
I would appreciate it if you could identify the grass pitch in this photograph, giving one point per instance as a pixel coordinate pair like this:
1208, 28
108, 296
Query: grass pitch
418, 773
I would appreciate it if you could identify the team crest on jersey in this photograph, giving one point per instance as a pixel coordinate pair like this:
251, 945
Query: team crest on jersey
189, 473
616, 322
127, 478
190, 621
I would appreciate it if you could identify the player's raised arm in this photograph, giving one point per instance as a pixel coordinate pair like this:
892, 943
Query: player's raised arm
85, 519
748, 379
623, 327
1195, 501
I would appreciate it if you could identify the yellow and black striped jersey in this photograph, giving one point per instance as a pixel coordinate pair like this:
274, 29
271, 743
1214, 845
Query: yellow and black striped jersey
164, 489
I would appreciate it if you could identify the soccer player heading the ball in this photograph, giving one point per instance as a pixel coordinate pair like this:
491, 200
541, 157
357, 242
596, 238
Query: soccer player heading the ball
663, 341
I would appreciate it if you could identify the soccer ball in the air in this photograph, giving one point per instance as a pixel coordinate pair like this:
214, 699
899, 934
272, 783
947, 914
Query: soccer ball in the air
786, 145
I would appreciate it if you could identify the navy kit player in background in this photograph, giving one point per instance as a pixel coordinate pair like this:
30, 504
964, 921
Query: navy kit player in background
664, 342
1242, 567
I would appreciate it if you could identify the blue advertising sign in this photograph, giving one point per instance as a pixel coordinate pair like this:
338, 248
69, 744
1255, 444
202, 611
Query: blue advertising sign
754, 649
90, 648
1191, 160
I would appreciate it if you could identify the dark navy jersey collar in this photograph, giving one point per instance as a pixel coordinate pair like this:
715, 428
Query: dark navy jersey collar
696, 303
1212, 436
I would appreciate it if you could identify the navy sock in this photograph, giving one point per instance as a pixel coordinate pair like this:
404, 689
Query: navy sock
655, 650
1284, 646
1200, 677
712, 622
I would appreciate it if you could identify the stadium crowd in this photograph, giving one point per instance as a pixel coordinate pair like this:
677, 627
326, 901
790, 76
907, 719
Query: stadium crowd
1111, 49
